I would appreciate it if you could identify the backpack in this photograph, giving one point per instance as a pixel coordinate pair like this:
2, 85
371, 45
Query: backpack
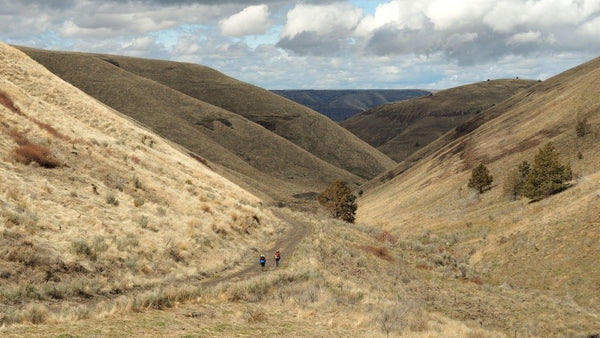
277, 255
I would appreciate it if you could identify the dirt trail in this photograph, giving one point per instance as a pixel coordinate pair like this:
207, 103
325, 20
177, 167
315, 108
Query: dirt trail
294, 233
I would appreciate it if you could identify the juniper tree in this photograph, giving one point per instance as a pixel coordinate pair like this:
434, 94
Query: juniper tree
513, 185
547, 175
339, 200
480, 178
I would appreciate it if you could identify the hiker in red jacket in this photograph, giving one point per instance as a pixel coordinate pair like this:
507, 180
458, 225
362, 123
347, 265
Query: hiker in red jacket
277, 257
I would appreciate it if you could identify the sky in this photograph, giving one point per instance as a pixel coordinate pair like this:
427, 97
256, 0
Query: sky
328, 44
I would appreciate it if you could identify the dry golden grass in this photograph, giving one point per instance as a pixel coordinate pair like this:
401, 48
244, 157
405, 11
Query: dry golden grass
325, 288
81, 255
124, 209
546, 249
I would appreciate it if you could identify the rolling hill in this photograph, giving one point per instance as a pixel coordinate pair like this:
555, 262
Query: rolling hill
260, 140
92, 205
398, 129
108, 229
339, 105
544, 251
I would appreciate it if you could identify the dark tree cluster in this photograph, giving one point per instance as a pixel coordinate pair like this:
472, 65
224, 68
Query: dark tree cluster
546, 176
339, 200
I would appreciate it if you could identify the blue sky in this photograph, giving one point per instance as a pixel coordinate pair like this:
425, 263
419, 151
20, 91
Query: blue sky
331, 44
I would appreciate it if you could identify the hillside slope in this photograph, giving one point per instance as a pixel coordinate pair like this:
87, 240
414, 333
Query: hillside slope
341, 104
251, 155
302, 126
299, 124
547, 248
400, 128
92, 205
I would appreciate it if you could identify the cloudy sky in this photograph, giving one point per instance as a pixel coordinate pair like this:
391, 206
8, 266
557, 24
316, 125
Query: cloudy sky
334, 44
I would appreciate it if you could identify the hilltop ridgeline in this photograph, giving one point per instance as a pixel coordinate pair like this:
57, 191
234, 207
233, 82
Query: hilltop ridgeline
269, 145
340, 104
398, 129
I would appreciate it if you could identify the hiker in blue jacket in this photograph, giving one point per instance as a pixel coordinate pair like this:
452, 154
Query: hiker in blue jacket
262, 261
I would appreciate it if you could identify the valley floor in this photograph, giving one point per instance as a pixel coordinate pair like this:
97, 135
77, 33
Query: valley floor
342, 280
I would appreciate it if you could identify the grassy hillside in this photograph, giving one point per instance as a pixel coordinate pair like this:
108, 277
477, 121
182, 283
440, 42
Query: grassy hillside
398, 129
249, 154
339, 105
111, 231
302, 126
546, 249
92, 206
108, 230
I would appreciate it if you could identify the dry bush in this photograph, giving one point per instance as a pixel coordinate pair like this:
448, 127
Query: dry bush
35, 314
380, 252
138, 202
28, 153
386, 236
25, 253
111, 199
8, 103
255, 315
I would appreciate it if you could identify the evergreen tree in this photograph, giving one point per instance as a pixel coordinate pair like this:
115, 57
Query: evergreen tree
547, 175
480, 178
339, 200
513, 185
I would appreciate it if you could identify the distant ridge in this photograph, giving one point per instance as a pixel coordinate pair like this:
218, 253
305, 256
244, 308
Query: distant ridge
339, 105
398, 129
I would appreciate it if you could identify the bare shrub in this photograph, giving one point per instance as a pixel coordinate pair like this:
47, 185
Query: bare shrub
386, 236
8, 103
138, 202
28, 153
380, 252
143, 221
80, 312
81, 247
99, 244
175, 253
25, 253
137, 183
583, 127
35, 314
255, 315
111, 199
235, 294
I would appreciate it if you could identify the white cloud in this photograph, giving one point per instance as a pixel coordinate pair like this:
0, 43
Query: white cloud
337, 19
507, 15
250, 21
70, 29
591, 28
456, 13
400, 14
324, 43
526, 37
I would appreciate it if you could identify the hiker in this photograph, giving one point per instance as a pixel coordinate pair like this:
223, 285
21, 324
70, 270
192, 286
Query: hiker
263, 261
277, 258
